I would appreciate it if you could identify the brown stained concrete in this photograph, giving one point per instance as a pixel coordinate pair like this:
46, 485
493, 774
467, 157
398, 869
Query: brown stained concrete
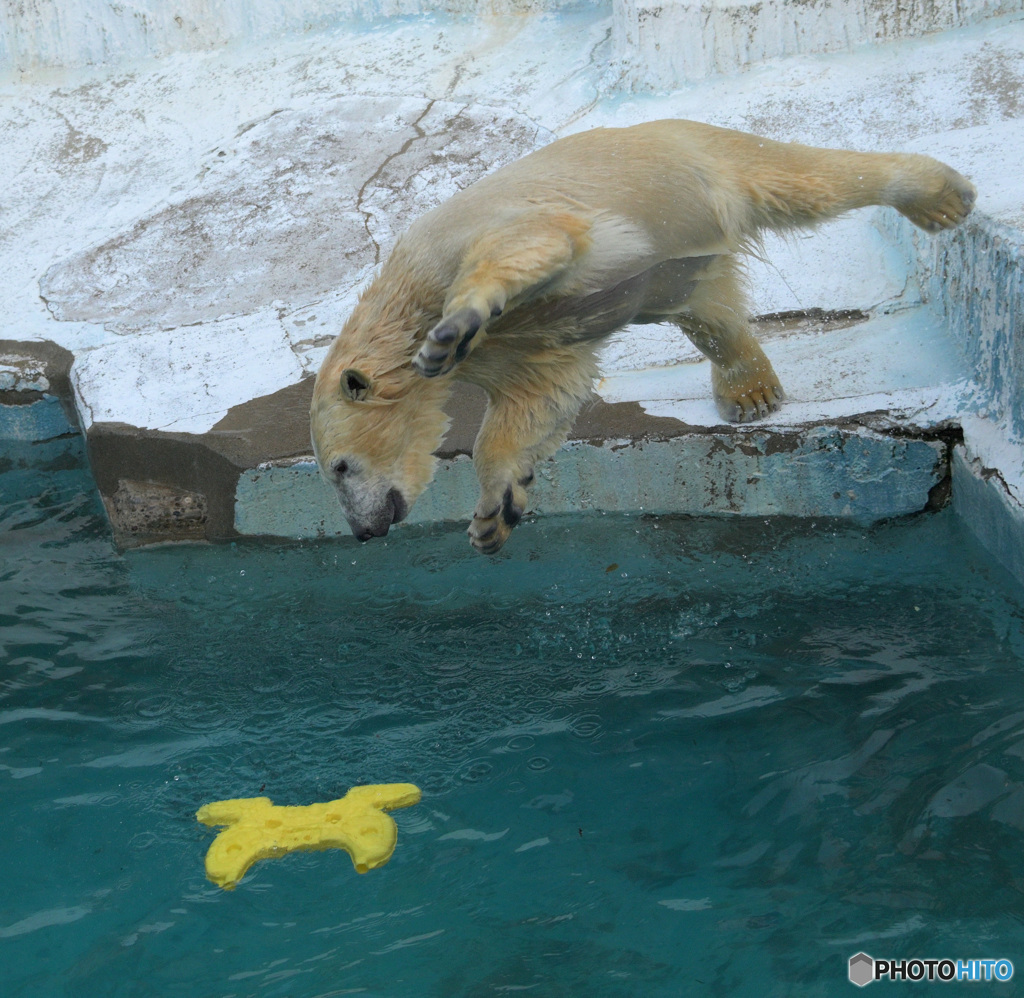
35, 358
181, 486
202, 466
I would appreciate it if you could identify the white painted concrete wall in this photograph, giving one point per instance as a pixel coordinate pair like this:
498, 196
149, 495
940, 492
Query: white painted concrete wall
656, 44
662, 44
66, 34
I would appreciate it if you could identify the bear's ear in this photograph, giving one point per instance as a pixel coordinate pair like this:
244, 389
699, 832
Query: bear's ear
354, 384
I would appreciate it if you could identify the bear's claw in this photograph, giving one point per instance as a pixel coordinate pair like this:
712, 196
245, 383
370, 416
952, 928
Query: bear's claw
746, 390
754, 405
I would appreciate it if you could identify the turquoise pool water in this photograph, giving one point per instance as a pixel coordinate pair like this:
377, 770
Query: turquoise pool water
659, 757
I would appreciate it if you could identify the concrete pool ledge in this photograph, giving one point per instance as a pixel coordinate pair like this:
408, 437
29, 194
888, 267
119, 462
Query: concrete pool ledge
989, 500
975, 282
827, 471
252, 474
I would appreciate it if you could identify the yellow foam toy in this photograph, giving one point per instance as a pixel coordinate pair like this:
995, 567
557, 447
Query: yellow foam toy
259, 829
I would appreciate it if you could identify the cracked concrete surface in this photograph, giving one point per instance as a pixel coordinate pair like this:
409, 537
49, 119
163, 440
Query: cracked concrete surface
288, 211
195, 229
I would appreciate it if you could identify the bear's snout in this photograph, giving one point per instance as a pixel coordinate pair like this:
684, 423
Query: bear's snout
394, 509
399, 505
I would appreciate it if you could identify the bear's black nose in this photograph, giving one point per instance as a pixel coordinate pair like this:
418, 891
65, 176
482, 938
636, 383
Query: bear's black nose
392, 510
365, 531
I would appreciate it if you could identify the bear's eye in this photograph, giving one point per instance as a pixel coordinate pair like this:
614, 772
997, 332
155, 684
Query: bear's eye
354, 384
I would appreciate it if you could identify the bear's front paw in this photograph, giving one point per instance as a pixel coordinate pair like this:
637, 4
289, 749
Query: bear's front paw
746, 391
493, 521
448, 342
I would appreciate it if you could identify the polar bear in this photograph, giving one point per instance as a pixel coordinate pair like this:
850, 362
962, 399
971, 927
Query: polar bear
515, 281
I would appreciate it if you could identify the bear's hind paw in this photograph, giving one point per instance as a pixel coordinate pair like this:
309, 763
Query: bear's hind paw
746, 391
942, 201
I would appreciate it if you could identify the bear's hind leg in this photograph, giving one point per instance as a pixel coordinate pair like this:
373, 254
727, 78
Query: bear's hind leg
788, 185
715, 319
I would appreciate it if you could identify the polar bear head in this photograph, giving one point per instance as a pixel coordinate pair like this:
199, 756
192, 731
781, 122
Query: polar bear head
375, 424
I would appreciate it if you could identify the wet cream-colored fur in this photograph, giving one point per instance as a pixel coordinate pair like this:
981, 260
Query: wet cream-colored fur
514, 282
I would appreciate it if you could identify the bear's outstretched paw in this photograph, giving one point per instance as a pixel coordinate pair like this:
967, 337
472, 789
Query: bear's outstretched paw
448, 342
942, 201
744, 393
493, 522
